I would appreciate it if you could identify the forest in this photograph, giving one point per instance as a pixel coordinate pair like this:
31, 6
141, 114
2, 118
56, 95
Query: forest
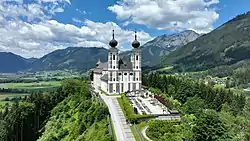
207, 113
67, 113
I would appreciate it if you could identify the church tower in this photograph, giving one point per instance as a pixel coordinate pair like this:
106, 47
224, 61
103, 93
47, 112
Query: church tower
136, 63
113, 58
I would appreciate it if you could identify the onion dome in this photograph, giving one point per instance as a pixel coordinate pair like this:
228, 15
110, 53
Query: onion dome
135, 43
113, 42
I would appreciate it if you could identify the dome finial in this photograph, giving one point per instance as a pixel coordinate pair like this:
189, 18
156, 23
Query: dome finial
135, 35
113, 42
135, 43
113, 35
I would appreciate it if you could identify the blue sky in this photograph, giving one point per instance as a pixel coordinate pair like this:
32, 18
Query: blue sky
32, 28
227, 9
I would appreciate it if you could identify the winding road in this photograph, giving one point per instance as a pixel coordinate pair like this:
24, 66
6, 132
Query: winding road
144, 133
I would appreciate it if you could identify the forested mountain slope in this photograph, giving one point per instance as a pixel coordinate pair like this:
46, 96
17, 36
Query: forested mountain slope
153, 51
76, 58
227, 44
10, 62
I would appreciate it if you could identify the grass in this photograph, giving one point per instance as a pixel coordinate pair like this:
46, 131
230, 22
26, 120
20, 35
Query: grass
128, 110
137, 138
40, 85
140, 126
113, 130
121, 104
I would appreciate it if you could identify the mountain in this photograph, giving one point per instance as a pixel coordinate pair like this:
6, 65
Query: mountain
153, 50
10, 62
77, 58
228, 44
84, 58
32, 59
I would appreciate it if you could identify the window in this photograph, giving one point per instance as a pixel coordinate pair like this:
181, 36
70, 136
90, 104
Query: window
114, 79
125, 73
113, 57
113, 67
120, 73
137, 67
137, 57
137, 79
131, 73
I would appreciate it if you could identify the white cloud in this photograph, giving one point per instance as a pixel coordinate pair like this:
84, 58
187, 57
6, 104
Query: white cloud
198, 15
35, 38
77, 20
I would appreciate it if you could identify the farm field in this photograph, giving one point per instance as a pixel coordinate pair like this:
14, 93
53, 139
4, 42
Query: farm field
33, 85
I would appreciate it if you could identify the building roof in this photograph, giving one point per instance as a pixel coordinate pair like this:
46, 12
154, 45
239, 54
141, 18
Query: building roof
103, 66
104, 77
125, 64
96, 70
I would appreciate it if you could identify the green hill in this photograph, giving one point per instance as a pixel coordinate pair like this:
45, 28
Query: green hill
228, 44
78, 118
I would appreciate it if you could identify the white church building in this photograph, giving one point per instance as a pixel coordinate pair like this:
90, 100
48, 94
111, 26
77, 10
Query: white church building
119, 75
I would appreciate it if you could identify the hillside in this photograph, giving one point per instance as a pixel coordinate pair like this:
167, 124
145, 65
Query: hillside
154, 50
10, 62
78, 118
77, 58
228, 44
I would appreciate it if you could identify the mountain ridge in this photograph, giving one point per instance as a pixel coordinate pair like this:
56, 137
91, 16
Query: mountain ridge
85, 58
228, 44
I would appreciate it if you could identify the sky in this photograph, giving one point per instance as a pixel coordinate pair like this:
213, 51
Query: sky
33, 28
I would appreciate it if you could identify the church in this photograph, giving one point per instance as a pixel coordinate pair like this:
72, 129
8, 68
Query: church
119, 75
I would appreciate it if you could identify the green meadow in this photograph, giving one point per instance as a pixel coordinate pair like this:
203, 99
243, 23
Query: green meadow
33, 85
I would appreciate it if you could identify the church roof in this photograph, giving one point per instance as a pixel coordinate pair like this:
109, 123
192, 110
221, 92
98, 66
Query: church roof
104, 77
125, 64
103, 66
96, 70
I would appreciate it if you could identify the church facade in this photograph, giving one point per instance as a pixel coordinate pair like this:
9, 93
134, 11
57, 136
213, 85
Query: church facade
119, 74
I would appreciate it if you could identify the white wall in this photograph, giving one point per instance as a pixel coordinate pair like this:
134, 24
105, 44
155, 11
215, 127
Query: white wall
97, 80
104, 86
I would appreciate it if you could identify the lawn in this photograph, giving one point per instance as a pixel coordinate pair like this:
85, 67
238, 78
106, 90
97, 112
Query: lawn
34, 85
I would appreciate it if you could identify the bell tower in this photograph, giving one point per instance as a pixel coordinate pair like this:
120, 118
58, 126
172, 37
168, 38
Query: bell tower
113, 59
136, 63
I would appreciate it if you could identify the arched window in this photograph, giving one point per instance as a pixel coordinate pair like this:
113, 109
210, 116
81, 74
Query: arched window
113, 57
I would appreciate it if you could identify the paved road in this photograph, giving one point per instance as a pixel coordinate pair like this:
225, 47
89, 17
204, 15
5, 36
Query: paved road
144, 133
122, 129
